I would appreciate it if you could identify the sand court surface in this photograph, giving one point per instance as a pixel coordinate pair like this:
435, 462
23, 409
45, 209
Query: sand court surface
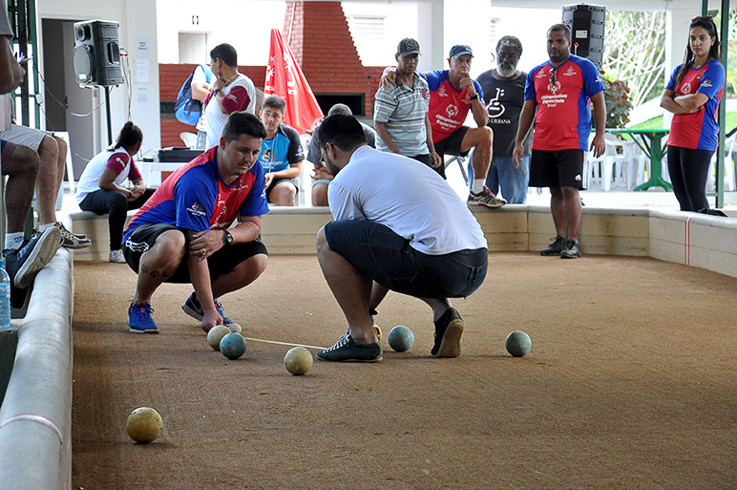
630, 383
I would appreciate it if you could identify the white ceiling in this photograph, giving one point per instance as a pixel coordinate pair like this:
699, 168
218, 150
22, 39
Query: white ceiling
553, 4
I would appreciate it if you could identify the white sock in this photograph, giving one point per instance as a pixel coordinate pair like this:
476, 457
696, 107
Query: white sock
45, 227
13, 241
478, 185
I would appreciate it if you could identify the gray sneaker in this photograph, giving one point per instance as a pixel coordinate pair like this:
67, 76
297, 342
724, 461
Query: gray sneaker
485, 198
348, 350
24, 263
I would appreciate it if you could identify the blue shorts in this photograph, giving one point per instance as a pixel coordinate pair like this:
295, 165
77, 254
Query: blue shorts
387, 258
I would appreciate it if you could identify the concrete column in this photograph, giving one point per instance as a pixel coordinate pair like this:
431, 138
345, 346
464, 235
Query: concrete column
430, 35
677, 21
139, 27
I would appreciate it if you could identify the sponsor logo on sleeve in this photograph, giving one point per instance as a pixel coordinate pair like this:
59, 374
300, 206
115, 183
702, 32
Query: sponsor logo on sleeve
196, 209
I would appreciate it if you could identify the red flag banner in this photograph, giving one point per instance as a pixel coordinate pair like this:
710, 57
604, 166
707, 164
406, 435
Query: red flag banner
284, 78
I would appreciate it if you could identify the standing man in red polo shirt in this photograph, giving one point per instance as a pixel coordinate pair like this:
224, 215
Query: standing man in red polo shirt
557, 95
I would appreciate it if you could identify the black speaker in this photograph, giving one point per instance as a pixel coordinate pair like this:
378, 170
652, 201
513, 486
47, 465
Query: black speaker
96, 53
587, 24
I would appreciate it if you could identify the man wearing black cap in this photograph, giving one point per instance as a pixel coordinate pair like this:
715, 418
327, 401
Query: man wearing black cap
400, 112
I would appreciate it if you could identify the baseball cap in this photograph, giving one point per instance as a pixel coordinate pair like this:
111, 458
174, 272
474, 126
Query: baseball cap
460, 49
408, 46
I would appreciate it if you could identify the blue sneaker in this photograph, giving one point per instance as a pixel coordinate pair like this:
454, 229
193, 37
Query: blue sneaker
192, 308
140, 320
24, 263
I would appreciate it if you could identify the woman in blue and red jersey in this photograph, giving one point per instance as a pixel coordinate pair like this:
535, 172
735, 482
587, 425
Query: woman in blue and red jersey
693, 96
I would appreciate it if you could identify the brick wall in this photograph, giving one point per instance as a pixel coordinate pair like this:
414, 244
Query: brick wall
171, 78
320, 40
322, 44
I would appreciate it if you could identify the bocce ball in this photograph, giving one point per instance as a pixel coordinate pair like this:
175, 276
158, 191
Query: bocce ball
235, 327
518, 343
298, 360
144, 425
216, 334
401, 338
233, 345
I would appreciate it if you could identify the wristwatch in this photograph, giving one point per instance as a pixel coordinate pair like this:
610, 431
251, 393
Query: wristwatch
228, 237
474, 97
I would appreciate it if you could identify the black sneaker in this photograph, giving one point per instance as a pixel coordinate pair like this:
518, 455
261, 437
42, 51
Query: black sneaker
556, 247
448, 332
24, 263
71, 240
348, 350
572, 250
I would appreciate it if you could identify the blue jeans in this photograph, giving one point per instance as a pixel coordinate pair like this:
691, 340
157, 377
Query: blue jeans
502, 174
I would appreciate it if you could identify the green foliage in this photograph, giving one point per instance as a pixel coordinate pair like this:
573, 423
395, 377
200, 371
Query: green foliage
618, 104
730, 85
634, 52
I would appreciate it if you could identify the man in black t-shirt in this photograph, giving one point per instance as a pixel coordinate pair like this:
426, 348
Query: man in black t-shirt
504, 89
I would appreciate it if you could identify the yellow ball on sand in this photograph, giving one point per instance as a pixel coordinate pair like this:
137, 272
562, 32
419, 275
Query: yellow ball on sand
216, 334
144, 425
235, 327
298, 360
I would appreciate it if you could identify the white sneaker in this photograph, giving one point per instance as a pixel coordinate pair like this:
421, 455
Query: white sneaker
117, 256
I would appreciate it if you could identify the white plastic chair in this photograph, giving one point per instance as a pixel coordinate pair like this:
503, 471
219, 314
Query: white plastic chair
188, 138
729, 184
615, 163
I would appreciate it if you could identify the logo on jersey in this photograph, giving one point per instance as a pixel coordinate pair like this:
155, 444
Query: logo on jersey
196, 209
686, 88
540, 74
570, 72
495, 108
452, 110
268, 155
441, 91
554, 88
706, 83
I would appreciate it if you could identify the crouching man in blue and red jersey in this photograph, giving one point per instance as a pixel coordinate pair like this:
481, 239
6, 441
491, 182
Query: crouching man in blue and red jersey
182, 234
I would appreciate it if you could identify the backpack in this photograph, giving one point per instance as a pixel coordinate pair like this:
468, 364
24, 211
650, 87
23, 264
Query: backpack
187, 109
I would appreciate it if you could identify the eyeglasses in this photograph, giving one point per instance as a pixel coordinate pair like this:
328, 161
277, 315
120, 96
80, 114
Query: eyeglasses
553, 80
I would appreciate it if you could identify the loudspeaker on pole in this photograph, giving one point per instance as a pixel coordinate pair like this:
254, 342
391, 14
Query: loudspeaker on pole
97, 53
587, 24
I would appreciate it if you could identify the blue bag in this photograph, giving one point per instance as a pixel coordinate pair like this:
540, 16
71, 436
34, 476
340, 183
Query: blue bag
187, 109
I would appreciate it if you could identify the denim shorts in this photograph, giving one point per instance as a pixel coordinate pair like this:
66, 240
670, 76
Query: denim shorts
387, 258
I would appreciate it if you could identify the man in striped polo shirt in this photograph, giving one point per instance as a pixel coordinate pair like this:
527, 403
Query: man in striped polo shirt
400, 112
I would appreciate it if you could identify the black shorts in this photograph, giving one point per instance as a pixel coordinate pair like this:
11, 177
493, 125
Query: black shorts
221, 262
387, 258
277, 181
452, 144
426, 159
562, 168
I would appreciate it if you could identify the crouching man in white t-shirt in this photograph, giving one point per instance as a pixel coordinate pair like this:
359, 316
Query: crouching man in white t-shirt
398, 226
